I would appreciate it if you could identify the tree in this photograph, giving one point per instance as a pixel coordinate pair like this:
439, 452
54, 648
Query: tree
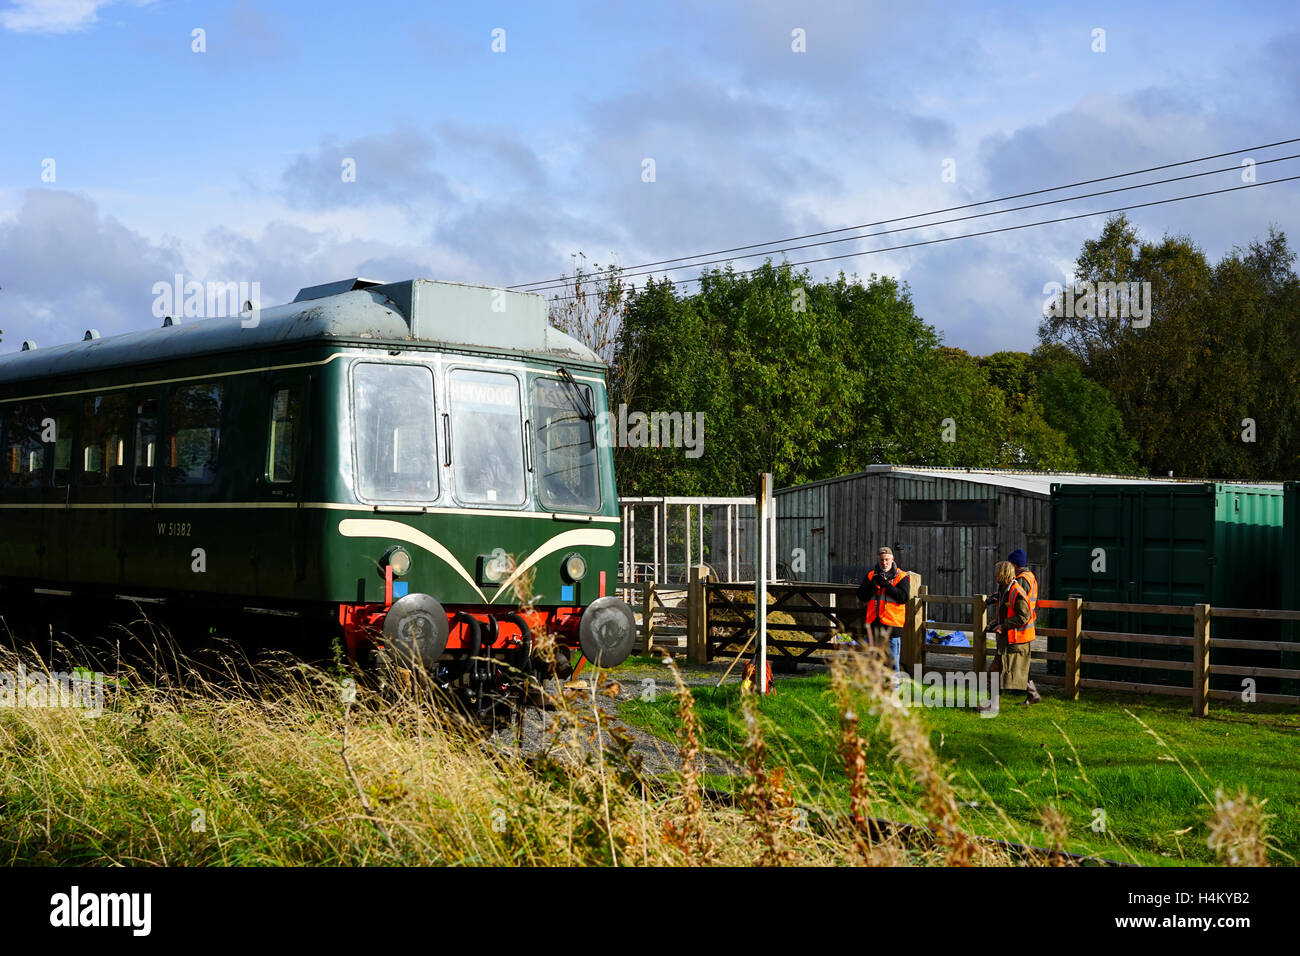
589, 308
1208, 388
806, 379
1083, 412
1016, 373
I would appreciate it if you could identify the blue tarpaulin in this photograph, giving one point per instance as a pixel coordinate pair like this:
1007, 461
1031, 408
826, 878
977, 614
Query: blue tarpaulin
955, 639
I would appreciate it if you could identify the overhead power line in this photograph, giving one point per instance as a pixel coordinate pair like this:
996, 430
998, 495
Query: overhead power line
933, 212
926, 225
989, 232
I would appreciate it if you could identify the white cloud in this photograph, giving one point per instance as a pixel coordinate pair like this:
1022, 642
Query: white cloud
70, 267
51, 16
55, 16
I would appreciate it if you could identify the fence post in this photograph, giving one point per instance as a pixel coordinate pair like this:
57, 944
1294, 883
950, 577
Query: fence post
914, 631
705, 577
1201, 660
692, 615
1073, 645
648, 615
979, 615
697, 635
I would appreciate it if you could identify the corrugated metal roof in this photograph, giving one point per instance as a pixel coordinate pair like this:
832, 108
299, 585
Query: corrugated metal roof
1035, 482
1032, 482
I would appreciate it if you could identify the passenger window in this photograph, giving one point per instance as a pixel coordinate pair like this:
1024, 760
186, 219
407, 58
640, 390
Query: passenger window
487, 437
564, 443
194, 435
397, 454
146, 440
24, 450
62, 447
284, 431
103, 443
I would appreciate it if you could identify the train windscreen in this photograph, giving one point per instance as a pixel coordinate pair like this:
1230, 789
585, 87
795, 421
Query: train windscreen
564, 442
487, 437
397, 458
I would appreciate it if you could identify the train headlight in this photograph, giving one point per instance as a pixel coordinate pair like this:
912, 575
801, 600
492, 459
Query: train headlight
498, 566
574, 568
399, 559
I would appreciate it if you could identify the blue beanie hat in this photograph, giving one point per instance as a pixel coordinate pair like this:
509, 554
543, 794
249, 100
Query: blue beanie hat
1018, 558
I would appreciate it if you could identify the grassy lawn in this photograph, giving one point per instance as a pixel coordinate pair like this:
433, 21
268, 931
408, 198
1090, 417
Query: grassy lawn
1153, 769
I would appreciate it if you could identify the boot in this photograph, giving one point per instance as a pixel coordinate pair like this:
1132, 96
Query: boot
1031, 694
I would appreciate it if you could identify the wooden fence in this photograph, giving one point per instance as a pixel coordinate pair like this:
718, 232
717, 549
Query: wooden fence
1199, 668
656, 606
720, 621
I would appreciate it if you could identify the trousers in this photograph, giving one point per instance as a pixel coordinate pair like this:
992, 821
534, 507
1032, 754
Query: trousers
895, 637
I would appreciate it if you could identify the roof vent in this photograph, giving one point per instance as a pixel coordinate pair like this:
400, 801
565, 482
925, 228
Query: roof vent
28, 345
90, 334
334, 288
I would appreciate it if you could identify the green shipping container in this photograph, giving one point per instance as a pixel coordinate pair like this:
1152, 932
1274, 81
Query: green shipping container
1169, 543
1291, 578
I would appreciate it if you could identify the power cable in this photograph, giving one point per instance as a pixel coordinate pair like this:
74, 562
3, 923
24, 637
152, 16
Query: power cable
885, 222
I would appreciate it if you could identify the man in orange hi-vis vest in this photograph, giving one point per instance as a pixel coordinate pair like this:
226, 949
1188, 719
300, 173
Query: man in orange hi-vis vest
1017, 618
884, 593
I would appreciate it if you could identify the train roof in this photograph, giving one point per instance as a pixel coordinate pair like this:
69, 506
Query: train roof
352, 311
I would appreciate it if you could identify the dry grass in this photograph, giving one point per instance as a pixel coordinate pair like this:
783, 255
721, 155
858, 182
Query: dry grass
1239, 830
868, 675
286, 769
689, 833
291, 765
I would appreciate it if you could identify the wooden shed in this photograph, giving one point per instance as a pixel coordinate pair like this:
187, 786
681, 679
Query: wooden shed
951, 525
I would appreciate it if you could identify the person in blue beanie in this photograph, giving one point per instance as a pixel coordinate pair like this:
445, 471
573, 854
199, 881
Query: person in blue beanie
1027, 583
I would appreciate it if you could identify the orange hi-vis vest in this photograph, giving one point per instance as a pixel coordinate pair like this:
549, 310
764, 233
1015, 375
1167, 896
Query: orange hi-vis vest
880, 608
1026, 584
1032, 589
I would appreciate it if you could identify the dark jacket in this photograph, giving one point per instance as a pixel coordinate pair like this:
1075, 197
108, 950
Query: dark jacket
1019, 616
898, 594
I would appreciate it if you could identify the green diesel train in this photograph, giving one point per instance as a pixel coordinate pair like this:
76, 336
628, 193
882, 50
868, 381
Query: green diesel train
414, 464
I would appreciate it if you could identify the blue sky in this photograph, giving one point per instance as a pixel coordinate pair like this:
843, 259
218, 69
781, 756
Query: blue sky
495, 167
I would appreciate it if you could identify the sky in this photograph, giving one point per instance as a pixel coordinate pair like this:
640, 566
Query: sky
289, 144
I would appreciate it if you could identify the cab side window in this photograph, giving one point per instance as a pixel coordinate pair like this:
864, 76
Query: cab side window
281, 464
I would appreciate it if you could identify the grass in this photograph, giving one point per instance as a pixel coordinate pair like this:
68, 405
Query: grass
1153, 770
290, 766
287, 764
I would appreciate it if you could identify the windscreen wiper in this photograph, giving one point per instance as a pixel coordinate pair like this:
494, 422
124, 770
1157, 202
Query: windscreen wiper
587, 414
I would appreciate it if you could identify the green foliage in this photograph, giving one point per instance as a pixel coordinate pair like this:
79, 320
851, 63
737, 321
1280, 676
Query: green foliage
812, 380
1013, 372
1083, 412
1222, 347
